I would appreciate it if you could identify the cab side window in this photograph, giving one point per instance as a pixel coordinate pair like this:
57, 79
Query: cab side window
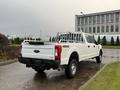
90, 39
79, 38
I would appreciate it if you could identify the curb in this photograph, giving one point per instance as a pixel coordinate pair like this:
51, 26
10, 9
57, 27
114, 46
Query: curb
90, 80
8, 62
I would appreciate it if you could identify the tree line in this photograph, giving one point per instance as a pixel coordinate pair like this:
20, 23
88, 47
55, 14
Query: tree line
102, 41
19, 40
112, 42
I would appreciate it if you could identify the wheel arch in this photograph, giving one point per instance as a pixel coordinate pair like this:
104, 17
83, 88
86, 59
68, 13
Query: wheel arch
74, 55
101, 51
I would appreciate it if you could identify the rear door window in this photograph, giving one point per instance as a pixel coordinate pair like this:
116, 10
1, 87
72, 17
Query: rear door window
71, 37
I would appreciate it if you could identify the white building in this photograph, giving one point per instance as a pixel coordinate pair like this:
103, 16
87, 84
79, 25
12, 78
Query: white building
101, 23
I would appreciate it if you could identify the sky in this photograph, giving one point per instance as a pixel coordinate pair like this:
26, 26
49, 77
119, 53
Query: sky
47, 17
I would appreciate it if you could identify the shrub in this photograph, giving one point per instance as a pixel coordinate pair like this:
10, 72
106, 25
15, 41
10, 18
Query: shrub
117, 41
17, 40
3, 40
104, 41
112, 41
99, 41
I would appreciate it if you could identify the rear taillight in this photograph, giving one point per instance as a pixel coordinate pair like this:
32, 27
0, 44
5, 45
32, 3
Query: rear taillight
58, 50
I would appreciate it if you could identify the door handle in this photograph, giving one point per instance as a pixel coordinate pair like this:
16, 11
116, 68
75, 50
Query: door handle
88, 46
36, 51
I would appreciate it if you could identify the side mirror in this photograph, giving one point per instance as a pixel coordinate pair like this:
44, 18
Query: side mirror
96, 43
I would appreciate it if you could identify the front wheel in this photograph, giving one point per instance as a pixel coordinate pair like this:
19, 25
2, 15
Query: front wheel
99, 58
71, 68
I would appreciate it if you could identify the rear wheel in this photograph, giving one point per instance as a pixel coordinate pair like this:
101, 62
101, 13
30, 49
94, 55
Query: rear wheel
71, 68
99, 58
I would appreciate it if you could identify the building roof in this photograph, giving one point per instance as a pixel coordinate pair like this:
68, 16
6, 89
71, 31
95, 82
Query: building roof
98, 13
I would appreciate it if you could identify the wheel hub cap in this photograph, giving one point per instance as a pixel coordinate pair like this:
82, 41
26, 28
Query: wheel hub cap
73, 68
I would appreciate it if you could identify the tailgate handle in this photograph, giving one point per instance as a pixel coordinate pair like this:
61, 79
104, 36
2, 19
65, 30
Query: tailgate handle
36, 51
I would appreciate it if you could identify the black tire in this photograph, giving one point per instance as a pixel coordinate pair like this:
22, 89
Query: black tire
71, 68
38, 70
99, 58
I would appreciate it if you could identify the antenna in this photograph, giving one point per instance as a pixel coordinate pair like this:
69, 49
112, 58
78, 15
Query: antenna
82, 13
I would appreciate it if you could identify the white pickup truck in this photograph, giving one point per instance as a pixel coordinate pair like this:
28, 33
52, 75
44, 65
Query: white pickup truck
69, 49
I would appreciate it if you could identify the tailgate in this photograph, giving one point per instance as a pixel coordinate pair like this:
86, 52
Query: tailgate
38, 51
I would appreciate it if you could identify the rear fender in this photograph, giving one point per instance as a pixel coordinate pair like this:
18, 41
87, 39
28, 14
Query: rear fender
66, 60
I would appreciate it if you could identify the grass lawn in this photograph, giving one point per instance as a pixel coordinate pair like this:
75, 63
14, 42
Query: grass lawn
108, 79
15, 45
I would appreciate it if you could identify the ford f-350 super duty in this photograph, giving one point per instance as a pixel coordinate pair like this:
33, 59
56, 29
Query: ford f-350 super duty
69, 49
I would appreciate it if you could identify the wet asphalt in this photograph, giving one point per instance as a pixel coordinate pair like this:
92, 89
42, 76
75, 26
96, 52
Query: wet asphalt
17, 77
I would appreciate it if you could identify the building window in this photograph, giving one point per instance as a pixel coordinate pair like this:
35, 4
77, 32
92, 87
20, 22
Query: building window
89, 29
82, 29
82, 21
94, 19
86, 20
117, 28
117, 17
98, 19
98, 29
102, 29
107, 18
102, 18
78, 29
90, 20
86, 30
78, 21
107, 28
112, 18
94, 30
112, 28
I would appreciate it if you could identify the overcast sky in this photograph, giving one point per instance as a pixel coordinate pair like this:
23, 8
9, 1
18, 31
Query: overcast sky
31, 17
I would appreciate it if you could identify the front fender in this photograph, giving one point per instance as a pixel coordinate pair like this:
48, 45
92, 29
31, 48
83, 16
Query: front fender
100, 46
